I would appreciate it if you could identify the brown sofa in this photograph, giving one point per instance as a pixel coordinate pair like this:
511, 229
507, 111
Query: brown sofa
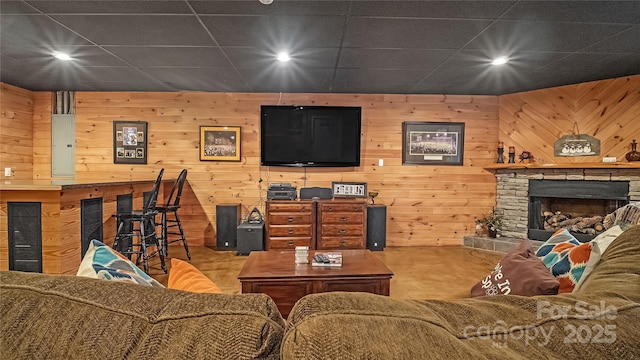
600, 321
66, 317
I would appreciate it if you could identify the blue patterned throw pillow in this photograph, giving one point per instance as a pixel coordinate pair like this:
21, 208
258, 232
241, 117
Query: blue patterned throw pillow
102, 262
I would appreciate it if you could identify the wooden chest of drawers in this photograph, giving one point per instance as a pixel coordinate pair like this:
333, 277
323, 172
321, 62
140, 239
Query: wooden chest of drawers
290, 224
341, 224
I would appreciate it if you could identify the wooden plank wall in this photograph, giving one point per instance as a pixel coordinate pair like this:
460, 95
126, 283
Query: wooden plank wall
16, 127
608, 110
427, 205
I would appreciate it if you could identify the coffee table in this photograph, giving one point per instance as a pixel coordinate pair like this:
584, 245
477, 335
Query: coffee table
276, 274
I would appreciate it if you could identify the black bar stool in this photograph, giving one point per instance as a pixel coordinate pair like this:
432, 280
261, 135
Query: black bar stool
145, 231
171, 207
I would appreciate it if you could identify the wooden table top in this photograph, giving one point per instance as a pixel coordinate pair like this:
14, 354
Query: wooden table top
276, 264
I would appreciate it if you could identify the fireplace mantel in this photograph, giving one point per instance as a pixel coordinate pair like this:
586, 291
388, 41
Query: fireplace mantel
600, 165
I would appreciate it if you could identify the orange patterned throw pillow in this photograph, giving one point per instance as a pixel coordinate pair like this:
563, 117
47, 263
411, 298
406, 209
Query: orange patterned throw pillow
567, 258
184, 276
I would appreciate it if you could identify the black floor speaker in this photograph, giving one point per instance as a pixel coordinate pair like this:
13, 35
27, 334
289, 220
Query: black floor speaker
250, 238
376, 227
227, 221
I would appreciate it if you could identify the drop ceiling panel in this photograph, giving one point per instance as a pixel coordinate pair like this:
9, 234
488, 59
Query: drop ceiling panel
411, 33
600, 12
399, 80
542, 36
84, 55
199, 79
111, 7
626, 41
253, 57
417, 47
35, 30
288, 79
276, 32
431, 9
393, 58
288, 7
138, 29
183, 56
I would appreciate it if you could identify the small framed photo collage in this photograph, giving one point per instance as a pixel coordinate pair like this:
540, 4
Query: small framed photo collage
129, 142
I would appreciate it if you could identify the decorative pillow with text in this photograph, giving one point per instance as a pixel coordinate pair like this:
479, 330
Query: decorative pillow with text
520, 272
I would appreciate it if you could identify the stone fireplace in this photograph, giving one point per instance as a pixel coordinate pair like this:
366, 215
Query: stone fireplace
513, 198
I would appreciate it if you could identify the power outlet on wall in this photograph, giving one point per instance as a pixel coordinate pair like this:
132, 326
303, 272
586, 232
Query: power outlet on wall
8, 172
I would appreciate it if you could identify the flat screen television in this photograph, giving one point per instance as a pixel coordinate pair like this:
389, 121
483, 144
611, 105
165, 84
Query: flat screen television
327, 136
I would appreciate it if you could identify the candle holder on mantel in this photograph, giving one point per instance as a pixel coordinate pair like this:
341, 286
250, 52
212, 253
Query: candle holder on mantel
500, 153
512, 154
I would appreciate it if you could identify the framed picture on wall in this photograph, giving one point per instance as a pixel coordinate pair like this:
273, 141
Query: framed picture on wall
129, 142
220, 143
432, 143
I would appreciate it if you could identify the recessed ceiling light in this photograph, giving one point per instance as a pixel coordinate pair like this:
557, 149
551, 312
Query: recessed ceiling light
266, 2
62, 56
283, 56
500, 61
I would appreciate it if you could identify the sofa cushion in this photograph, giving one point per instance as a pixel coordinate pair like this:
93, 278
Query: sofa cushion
567, 258
102, 262
71, 317
186, 277
618, 271
366, 326
520, 272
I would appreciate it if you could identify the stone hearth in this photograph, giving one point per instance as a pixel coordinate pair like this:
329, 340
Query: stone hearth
512, 199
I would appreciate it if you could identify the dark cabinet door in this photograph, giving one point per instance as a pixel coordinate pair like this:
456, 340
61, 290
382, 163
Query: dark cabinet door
90, 222
25, 236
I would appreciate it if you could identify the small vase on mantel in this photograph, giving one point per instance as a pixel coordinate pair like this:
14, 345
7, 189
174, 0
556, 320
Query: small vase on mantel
633, 155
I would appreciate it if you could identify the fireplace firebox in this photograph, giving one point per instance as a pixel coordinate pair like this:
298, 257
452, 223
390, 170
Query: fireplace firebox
577, 205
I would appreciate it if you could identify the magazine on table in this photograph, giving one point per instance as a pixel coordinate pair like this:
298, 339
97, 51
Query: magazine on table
327, 259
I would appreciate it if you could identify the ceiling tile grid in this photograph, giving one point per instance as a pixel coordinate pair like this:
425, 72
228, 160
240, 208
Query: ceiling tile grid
403, 47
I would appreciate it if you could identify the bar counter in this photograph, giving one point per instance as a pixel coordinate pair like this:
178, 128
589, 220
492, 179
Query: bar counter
61, 210
63, 184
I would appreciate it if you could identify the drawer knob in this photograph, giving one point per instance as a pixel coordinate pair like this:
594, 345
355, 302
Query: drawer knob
290, 243
343, 231
290, 219
290, 231
343, 219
